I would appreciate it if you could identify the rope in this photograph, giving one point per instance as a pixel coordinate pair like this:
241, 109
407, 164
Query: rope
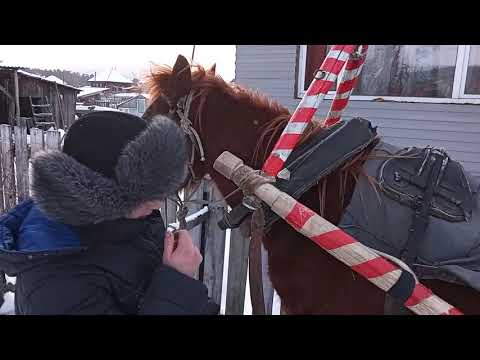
249, 180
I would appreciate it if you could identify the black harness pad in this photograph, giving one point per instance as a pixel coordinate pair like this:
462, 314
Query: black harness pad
406, 178
316, 158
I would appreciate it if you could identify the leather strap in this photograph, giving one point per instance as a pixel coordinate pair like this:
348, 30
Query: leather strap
255, 263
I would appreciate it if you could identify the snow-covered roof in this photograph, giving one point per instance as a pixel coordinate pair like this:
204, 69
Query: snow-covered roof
25, 73
125, 95
89, 90
56, 79
94, 108
111, 75
128, 95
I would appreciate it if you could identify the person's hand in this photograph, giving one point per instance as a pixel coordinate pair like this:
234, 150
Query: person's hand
180, 253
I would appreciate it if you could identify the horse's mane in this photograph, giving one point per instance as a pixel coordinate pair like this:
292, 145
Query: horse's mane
204, 82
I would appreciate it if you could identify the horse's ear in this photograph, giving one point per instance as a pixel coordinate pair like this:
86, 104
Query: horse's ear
181, 80
212, 69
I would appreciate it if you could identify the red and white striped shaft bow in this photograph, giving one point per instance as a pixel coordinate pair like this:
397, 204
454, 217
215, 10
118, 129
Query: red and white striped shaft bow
338, 58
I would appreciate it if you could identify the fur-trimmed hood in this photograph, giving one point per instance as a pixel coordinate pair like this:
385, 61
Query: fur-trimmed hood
150, 167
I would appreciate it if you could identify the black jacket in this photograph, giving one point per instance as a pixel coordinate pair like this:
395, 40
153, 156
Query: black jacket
110, 268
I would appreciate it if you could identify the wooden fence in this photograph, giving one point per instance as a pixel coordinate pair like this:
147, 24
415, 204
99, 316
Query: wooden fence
225, 266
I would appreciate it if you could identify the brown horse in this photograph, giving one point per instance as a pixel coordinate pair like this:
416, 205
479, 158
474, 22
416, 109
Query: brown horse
231, 118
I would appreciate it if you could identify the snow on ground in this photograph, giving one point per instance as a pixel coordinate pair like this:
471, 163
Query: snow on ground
8, 307
60, 131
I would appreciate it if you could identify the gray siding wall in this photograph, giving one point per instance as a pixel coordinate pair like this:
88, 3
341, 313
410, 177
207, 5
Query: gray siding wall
272, 69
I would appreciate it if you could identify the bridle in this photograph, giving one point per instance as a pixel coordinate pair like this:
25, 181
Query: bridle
180, 114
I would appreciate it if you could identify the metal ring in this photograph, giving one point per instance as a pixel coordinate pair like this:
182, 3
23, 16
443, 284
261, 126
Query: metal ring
320, 74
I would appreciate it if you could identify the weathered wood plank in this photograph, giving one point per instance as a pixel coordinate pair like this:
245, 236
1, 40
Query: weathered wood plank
214, 246
16, 95
37, 141
198, 194
196, 233
237, 273
52, 140
21, 160
6, 151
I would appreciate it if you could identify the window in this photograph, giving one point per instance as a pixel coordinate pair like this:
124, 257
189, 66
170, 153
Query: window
419, 73
472, 84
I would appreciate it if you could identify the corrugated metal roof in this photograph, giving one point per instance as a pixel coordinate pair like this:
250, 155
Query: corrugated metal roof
25, 73
5, 67
39, 77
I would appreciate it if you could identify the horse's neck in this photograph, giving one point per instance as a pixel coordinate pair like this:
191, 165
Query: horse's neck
270, 125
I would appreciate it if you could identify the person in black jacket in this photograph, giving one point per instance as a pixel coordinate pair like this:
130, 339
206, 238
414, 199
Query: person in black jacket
91, 239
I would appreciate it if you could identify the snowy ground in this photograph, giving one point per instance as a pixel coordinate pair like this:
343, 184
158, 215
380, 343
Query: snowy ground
8, 307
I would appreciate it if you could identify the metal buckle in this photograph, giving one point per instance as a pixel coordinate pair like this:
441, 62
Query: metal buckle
250, 202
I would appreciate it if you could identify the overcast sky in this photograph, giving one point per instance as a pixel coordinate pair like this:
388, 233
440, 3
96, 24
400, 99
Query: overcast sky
130, 60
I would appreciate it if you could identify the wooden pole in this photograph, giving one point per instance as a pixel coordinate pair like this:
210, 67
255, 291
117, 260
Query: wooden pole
214, 247
342, 246
8, 167
193, 52
21, 160
17, 96
60, 108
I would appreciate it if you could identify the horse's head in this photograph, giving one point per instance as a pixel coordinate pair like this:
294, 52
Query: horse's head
225, 116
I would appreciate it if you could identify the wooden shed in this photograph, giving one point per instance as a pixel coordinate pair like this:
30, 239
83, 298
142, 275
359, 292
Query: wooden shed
23, 94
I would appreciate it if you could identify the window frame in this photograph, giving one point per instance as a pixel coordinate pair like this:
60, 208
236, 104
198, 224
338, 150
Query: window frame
458, 91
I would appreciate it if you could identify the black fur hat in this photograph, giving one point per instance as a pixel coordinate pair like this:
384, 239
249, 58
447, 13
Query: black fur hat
110, 163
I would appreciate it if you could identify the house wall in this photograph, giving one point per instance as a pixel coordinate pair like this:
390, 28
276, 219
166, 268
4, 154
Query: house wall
272, 69
7, 106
